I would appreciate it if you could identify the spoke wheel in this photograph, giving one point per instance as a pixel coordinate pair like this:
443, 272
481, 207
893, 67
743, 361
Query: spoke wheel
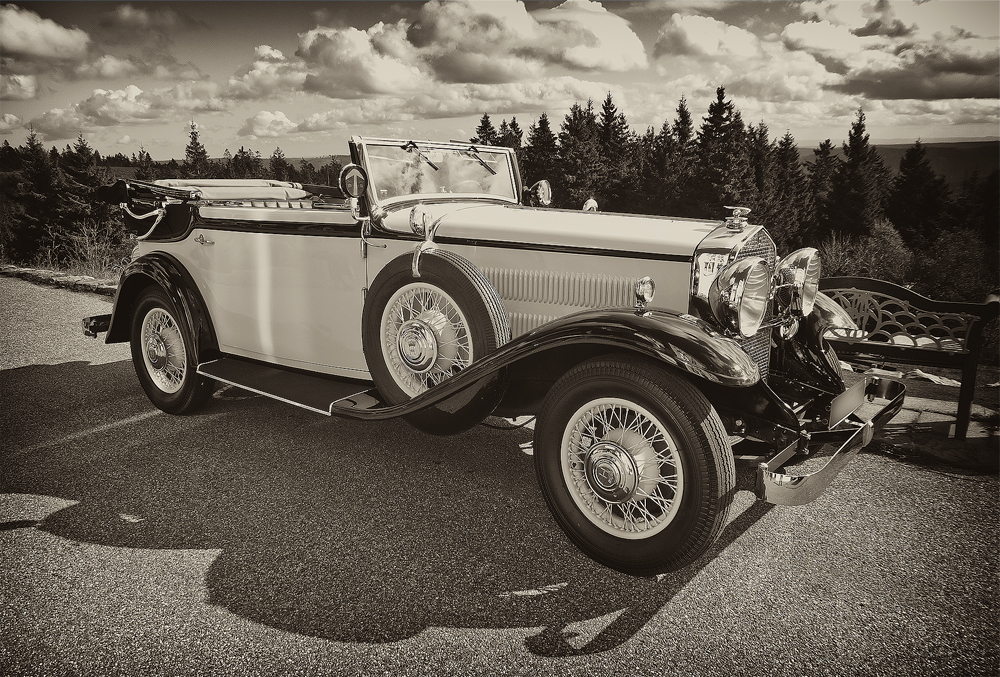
425, 337
163, 355
634, 464
622, 468
163, 351
420, 331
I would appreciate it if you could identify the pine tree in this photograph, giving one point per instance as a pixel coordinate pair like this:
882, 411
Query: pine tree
307, 171
145, 167
279, 166
580, 158
247, 164
680, 164
196, 163
10, 159
509, 134
516, 134
920, 199
226, 165
859, 186
764, 204
486, 133
35, 194
329, 173
612, 131
538, 158
793, 199
618, 149
79, 176
821, 172
723, 174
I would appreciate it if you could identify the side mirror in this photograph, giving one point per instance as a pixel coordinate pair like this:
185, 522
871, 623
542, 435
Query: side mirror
539, 195
353, 180
353, 183
590, 205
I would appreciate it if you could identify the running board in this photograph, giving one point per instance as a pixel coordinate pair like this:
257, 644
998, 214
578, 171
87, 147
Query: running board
315, 393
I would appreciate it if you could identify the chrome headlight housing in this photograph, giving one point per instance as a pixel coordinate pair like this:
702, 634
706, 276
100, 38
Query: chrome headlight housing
798, 279
740, 294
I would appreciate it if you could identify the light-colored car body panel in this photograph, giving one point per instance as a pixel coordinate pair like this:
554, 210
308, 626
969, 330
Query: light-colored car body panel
284, 298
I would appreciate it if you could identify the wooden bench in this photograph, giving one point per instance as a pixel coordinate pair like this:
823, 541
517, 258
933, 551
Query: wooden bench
902, 326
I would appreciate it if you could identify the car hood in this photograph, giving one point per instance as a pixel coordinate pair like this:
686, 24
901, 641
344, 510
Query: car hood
562, 228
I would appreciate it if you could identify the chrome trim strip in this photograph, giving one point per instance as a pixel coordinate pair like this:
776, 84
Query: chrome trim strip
332, 216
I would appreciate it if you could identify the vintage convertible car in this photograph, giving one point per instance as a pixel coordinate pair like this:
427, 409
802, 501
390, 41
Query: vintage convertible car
430, 284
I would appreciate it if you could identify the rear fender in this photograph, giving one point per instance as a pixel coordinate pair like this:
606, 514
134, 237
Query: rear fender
167, 273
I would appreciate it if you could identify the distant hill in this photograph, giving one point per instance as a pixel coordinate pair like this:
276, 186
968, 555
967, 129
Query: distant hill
954, 161
318, 162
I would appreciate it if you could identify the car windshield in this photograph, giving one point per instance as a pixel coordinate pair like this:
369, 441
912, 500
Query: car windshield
404, 168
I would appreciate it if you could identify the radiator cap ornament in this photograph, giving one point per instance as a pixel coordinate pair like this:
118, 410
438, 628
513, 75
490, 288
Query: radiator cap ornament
738, 221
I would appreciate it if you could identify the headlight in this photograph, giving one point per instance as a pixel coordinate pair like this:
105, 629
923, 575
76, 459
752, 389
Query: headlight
798, 274
739, 295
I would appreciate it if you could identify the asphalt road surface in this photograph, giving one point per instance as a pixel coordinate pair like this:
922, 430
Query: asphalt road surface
255, 538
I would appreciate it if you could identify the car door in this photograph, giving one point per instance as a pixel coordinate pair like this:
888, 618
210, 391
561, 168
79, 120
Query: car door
284, 286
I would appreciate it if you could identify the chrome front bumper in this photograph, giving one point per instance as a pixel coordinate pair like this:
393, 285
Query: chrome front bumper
853, 434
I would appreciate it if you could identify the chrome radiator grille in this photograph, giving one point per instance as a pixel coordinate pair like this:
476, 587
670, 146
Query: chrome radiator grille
758, 347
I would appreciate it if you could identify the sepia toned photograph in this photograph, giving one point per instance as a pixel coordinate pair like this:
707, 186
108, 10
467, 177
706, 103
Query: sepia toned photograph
500, 337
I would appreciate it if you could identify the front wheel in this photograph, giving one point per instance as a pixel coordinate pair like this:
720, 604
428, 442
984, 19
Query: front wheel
634, 464
163, 360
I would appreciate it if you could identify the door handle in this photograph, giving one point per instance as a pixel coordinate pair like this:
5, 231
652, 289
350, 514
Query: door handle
201, 240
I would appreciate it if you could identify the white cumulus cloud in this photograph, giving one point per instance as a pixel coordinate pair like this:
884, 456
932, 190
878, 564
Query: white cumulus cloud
18, 87
266, 124
107, 108
26, 35
9, 122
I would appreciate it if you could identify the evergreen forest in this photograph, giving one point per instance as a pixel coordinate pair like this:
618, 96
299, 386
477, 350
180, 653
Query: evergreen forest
907, 226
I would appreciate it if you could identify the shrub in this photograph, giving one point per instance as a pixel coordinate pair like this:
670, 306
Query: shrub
97, 248
881, 255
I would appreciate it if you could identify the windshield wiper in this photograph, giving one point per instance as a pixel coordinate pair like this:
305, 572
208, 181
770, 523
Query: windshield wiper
410, 147
473, 153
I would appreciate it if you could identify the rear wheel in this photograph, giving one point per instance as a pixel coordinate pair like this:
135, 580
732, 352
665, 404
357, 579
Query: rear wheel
635, 465
163, 360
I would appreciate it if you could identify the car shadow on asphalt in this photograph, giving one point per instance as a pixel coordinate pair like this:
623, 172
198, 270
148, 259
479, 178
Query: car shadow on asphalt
339, 529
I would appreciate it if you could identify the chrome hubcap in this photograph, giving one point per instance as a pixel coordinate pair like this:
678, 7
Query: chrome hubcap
622, 468
156, 352
611, 472
417, 346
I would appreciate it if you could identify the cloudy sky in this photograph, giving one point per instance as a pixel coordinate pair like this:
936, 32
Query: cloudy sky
304, 76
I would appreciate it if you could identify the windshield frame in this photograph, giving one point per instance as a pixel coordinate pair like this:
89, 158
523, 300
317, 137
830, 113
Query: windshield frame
507, 173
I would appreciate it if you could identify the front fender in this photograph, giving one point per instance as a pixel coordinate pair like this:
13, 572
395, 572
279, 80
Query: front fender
166, 272
682, 341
